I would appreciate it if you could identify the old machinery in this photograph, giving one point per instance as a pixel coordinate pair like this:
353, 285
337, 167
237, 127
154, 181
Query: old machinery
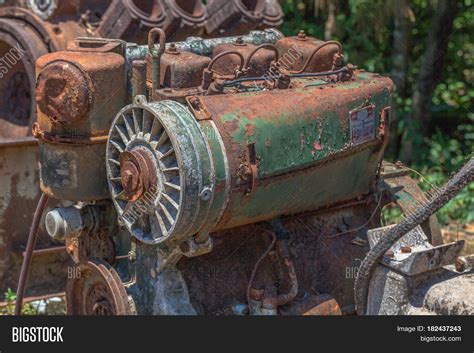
28, 30
240, 175
240, 16
32, 28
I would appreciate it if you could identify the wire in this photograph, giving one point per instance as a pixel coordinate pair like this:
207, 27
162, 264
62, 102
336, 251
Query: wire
257, 264
30, 247
302, 75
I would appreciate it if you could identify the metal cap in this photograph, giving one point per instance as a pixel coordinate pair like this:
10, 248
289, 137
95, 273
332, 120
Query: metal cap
62, 223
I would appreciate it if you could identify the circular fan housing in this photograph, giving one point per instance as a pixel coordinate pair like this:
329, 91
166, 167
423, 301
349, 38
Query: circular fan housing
159, 170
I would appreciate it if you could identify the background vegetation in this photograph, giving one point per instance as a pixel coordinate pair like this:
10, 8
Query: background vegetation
426, 47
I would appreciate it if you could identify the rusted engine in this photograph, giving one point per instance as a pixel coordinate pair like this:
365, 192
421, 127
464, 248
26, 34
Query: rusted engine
240, 175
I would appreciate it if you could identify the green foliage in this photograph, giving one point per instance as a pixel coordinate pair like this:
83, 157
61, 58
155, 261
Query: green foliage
9, 309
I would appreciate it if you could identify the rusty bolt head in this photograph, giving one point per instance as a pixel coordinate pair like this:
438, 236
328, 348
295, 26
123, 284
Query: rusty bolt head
302, 35
195, 103
405, 249
460, 265
239, 41
137, 173
390, 254
35, 130
64, 93
130, 177
256, 294
172, 49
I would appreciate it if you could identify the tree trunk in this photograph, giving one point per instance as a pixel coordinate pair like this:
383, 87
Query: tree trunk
429, 76
330, 24
400, 54
401, 42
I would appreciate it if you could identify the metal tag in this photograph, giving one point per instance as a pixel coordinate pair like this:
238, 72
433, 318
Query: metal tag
362, 124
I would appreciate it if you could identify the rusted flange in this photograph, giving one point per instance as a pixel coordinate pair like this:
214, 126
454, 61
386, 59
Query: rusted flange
20, 46
96, 290
137, 172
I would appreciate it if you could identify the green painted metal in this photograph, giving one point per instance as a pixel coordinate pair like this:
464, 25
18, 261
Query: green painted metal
266, 154
304, 153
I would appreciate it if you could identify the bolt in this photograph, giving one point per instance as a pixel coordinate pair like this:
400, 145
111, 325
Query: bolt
302, 35
460, 265
64, 92
405, 249
390, 254
195, 103
35, 130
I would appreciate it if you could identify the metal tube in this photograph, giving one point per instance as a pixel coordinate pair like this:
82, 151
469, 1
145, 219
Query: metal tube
30, 247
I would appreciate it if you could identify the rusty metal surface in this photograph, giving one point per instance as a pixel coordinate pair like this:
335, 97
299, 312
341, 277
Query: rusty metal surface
79, 91
19, 195
39, 28
258, 65
132, 19
408, 196
180, 69
316, 305
96, 290
26, 37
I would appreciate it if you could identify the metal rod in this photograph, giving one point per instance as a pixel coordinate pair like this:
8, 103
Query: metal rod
36, 298
139, 78
303, 75
30, 247
205, 47
47, 251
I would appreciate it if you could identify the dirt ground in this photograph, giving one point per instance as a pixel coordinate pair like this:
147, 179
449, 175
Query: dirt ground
454, 232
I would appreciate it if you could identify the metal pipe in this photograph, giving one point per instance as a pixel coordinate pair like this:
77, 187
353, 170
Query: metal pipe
30, 247
315, 51
156, 53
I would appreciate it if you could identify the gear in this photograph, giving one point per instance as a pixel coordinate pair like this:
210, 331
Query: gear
97, 290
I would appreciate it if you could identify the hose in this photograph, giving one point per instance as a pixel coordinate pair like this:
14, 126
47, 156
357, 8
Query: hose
30, 247
442, 197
